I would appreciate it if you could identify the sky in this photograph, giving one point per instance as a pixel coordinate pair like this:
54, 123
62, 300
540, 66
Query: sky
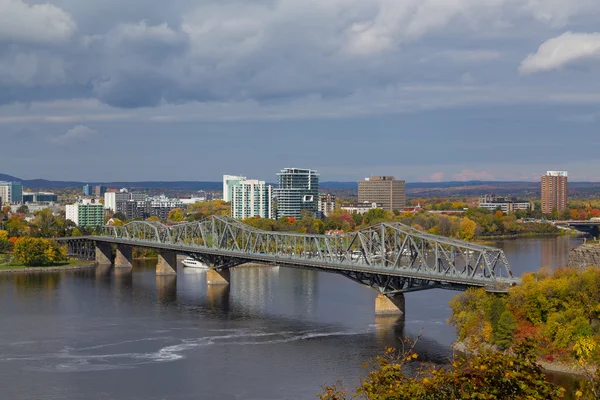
425, 90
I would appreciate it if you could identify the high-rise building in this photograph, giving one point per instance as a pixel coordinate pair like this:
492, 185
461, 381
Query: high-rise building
11, 192
228, 181
251, 198
99, 190
326, 204
298, 191
87, 190
384, 190
86, 213
554, 191
111, 199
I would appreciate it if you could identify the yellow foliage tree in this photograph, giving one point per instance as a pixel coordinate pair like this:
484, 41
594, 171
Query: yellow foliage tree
3, 235
467, 229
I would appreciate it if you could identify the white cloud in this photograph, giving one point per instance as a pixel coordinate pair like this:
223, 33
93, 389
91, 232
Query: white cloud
560, 51
77, 133
38, 23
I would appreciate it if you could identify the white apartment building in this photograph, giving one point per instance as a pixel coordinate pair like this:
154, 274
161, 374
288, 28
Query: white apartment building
85, 213
251, 198
228, 182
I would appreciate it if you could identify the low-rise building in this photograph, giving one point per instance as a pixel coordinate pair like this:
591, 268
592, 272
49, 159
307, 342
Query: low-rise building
86, 213
359, 208
506, 204
150, 207
39, 197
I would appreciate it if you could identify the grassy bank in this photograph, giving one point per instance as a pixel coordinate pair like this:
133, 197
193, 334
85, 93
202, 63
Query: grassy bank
9, 263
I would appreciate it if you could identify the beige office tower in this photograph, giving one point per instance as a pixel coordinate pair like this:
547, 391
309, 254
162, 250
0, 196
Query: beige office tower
385, 190
554, 191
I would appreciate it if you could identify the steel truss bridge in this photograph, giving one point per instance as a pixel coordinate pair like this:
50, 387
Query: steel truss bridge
391, 257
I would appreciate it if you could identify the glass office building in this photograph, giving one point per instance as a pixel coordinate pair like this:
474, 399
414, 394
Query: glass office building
298, 192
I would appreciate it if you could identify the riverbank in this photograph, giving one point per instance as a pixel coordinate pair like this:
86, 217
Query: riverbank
72, 266
548, 367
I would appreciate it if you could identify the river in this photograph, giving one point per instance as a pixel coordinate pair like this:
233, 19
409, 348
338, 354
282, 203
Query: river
275, 333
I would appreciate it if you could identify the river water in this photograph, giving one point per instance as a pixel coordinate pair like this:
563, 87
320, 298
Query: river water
275, 333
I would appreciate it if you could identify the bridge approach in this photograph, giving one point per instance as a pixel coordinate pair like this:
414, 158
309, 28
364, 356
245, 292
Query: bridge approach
392, 258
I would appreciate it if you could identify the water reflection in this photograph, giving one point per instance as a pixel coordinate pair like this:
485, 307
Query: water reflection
166, 288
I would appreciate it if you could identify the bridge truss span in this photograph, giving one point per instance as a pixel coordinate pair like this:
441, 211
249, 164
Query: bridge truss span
392, 257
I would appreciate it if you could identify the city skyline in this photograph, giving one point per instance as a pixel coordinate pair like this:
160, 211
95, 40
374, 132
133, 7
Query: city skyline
468, 90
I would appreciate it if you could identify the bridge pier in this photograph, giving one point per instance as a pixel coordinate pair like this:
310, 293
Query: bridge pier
389, 305
103, 253
218, 277
124, 258
167, 263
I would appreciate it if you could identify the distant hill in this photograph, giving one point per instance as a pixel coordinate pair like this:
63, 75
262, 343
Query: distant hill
413, 189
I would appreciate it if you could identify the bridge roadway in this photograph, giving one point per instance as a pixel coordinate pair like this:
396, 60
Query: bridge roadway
392, 258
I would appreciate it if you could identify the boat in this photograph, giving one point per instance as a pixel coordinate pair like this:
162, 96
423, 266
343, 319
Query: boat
193, 263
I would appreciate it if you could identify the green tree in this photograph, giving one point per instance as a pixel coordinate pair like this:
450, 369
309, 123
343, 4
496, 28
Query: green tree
76, 232
503, 334
45, 222
120, 215
23, 209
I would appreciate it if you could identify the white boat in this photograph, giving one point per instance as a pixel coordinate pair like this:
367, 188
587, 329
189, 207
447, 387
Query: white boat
193, 263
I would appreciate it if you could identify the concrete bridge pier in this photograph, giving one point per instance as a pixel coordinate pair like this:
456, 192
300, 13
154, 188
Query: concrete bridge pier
103, 254
389, 305
218, 277
167, 263
124, 258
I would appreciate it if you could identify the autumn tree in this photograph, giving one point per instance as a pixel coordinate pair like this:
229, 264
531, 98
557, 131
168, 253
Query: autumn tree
175, 215
487, 375
39, 252
467, 229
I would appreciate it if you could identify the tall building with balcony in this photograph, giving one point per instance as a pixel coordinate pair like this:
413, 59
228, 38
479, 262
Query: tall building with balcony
298, 192
11, 192
554, 191
384, 190
228, 182
251, 198
86, 213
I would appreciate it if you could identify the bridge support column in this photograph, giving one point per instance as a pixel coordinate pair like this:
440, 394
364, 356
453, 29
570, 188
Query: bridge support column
124, 257
167, 263
218, 277
103, 253
387, 305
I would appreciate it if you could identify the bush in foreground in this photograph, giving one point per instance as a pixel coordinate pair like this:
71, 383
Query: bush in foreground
486, 376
